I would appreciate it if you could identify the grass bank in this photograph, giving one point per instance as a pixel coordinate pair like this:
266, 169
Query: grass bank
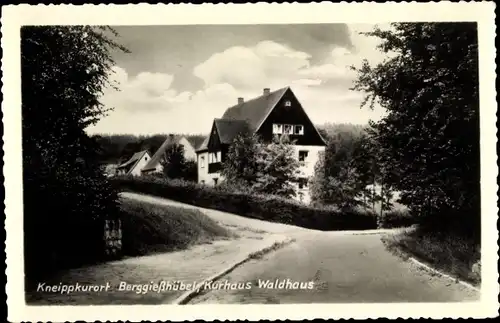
148, 228
451, 254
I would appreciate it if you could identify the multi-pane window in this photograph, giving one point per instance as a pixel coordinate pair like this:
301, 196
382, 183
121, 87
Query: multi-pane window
288, 129
298, 129
277, 129
214, 157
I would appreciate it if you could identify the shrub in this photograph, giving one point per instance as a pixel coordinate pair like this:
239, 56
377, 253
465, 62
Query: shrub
269, 208
396, 219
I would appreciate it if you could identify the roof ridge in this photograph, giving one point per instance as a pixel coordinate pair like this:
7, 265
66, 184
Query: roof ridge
259, 97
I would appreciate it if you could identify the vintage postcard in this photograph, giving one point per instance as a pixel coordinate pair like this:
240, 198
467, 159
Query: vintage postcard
250, 161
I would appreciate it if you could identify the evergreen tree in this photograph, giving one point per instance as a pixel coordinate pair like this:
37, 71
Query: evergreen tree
174, 163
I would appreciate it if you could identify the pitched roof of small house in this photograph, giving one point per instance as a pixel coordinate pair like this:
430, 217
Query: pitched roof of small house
195, 141
228, 129
156, 159
204, 144
256, 110
130, 164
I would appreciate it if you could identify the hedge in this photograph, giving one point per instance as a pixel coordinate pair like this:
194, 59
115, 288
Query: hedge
261, 207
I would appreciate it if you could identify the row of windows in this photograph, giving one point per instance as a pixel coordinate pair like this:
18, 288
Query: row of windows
216, 157
212, 158
288, 129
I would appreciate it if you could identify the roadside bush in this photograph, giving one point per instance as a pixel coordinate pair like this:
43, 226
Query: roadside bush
269, 208
396, 219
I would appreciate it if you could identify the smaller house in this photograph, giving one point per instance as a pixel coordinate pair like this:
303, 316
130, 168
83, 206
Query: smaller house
135, 164
155, 163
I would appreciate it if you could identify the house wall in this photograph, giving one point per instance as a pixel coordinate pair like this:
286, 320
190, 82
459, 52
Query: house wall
189, 150
203, 175
136, 171
307, 169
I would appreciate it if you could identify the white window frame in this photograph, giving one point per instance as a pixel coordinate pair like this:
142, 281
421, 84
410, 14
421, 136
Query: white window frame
291, 129
301, 132
214, 157
277, 129
288, 103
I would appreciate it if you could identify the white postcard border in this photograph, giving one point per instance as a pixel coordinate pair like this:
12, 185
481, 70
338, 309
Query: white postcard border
15, 16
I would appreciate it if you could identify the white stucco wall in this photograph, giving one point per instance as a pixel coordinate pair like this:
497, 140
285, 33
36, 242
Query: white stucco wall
203, 175
136, 171
307, 169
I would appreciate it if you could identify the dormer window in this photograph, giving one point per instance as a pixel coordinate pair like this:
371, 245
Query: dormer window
288, 103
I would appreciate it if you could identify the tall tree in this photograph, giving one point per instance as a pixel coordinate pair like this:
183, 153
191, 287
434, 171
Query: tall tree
64, 71
430, 135
278, 169
239, 167
337, 179
174, 163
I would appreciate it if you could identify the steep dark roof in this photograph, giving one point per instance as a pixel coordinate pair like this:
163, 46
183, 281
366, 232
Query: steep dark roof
155, 160
228, 129
130, 164
204, 144
250, 114
256, 110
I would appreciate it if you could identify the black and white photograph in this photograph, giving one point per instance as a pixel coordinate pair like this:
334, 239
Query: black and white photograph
252, 164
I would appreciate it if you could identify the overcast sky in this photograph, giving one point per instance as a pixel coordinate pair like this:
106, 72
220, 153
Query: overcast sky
177, 79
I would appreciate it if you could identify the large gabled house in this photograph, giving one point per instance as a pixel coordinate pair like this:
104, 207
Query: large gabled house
273, 113
135, 164
155, 163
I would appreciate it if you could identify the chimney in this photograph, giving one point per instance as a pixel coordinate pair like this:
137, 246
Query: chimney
267, 91
240, 100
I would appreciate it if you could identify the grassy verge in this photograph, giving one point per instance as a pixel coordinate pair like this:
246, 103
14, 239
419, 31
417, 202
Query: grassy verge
451, 254
149, 228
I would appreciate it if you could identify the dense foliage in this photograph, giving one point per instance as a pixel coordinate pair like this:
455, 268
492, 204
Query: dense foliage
239, 168
264, 168
260, 206
64, 70
175, 165
430, 135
